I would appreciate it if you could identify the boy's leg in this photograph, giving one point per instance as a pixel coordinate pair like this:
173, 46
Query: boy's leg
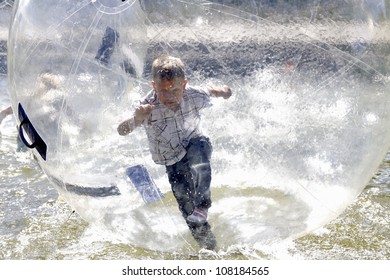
198, 154
190, 178
181, 178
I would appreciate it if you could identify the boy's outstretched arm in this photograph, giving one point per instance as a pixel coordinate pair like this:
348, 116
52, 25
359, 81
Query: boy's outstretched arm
140, 114
223, 91
6, 112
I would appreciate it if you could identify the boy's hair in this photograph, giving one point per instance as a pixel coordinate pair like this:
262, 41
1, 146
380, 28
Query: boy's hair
168, 68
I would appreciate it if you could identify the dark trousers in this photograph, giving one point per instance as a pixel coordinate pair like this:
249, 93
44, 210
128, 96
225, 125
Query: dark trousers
190, 180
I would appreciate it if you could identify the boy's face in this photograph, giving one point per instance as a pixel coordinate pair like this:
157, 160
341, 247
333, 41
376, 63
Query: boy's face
170, 92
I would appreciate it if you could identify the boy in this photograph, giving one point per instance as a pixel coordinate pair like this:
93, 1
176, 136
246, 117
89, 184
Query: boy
170, 114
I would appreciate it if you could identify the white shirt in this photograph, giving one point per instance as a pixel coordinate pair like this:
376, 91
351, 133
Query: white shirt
168, 131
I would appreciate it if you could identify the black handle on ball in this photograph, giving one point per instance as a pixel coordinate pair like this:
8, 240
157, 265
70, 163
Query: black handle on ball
21, 134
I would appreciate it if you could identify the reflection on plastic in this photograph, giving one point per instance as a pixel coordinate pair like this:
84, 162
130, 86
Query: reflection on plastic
142, 181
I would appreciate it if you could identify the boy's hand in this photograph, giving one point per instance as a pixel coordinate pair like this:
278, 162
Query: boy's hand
226, 92
223, 91
141, 113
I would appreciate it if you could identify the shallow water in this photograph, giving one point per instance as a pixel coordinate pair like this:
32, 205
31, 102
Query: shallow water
37, 224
